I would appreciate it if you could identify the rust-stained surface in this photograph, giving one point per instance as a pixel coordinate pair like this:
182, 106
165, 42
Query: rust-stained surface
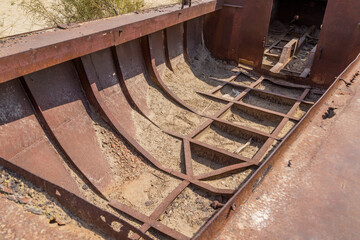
339, 41
245, 39
132, 125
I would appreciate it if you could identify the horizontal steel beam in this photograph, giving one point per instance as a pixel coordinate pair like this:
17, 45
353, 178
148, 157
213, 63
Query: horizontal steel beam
23, 55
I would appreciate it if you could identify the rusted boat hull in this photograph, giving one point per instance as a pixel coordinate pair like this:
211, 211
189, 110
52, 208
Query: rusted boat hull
58, 87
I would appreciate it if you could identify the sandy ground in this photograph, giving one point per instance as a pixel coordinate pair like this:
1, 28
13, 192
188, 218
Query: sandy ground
14, 20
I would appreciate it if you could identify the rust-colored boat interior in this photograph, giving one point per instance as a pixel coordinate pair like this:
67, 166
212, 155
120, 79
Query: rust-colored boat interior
159, 124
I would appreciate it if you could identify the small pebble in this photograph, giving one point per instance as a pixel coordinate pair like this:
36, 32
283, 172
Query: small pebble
35, 211
12, 198
85, 187
148, 203
64, 221
24, 200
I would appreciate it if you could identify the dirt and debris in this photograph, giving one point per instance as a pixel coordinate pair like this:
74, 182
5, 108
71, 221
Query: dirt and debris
229, 92
138, 184
252, 118
230, 142
216, 204
314, 94
190, 210
152, 139
231, 181
33, 200
281, 34
286, 129
273, 103
185, 80
275, 88
245, 78
168, 115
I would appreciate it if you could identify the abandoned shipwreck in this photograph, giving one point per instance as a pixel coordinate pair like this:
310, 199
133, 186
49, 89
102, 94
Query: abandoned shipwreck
170, 122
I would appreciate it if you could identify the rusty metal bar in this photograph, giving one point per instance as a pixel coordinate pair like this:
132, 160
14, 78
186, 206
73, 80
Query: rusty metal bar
224, 83
162, 207
304, 36
166, 47
234, 167
309, 63
208, 147
225, 170
185, 43
247, 105
246, 129
145, 219
221, 151
34, 53
291, 111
